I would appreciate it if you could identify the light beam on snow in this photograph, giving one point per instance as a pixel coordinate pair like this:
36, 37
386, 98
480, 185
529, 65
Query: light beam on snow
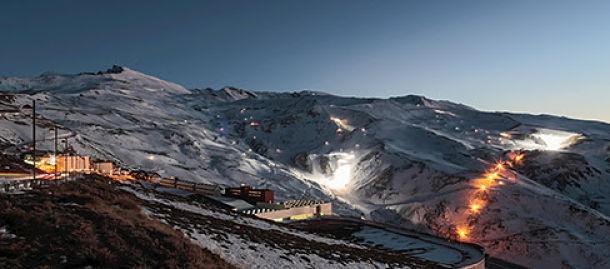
339, 173
555, 141
343, 172
547, 139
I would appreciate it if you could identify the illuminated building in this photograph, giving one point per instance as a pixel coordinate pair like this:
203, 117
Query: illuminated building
295, 210
106, 168
73, 163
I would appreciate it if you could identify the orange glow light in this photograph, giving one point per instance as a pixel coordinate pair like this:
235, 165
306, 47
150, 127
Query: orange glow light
462, 232
475, 206
492, 176
500, 166
486, 182
519, 157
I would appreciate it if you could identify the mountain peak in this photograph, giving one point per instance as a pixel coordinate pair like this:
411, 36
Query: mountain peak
114, 77
115, 69
417, 100
142, 80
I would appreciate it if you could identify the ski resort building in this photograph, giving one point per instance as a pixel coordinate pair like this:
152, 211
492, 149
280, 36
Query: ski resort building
260, 203
7, 98
74, 163
280, 212
230, 203
250, 194
295, 210
105, 168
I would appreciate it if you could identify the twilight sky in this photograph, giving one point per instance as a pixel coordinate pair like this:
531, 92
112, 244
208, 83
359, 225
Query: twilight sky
548, 57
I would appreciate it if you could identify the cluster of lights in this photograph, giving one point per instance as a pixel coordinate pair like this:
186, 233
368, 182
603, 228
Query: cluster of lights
494, 176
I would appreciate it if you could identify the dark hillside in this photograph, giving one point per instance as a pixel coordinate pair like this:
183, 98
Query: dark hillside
90, 223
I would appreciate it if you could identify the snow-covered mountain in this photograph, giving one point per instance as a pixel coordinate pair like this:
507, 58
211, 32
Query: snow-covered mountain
407, 161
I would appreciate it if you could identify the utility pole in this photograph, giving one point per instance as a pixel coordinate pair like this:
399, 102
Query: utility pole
55, 153
34, 138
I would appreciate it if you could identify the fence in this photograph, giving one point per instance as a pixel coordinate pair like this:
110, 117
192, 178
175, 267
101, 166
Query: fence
206, 189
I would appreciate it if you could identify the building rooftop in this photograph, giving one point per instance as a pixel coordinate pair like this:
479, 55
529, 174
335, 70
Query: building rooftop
236, 204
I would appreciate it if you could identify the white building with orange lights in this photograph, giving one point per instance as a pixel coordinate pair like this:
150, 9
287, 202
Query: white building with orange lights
73, 163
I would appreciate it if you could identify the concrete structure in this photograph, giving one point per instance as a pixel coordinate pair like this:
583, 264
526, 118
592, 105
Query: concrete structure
232, 203
73, 163
105, 168
295, 210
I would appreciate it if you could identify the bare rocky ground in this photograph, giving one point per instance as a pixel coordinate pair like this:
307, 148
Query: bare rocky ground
91, 223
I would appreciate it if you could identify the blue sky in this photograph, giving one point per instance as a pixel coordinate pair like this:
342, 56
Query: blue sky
525, 56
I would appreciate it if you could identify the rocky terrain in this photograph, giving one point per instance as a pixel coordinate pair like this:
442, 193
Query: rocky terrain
80, 224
